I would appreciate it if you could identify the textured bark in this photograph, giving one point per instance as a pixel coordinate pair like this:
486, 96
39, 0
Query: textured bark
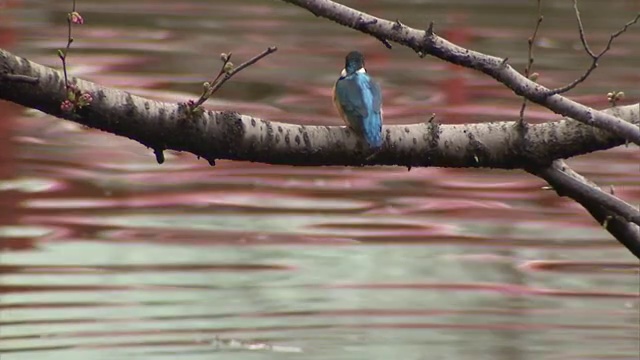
616, 216
229, 135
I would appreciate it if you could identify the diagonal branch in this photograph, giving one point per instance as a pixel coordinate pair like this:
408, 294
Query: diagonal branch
615, 215
427, 42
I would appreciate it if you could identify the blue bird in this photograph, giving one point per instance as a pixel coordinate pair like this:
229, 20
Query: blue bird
358, 99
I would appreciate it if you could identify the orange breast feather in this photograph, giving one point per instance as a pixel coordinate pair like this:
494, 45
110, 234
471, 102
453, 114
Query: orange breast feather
336, 103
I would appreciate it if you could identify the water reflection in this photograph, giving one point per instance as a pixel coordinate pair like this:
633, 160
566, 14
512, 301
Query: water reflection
108, 255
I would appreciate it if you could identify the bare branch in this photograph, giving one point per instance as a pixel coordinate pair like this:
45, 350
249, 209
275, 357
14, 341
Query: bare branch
583, 38
242, 66
217, 83
531, 41
594, 58
63, 53
229, 135
527, 71
611, 212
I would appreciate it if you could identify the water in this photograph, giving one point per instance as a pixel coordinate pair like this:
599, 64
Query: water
108, 255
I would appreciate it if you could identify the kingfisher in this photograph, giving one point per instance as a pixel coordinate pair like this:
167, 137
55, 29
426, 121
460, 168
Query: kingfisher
358, 99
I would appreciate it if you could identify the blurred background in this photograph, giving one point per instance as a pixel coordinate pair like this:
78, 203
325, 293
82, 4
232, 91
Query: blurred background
107, 255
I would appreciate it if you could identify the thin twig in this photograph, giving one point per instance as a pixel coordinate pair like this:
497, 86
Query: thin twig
63, 56
247, 63
218, 81
527, 71
594, 58
226, 59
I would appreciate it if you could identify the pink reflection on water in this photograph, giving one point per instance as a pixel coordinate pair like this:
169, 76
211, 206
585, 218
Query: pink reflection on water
197, 333
138, 268
505, 289
207, 238
581, 267
428, 204
263, 201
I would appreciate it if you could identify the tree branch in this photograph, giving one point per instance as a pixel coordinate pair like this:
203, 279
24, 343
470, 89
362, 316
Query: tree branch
229, 135
612, 213
527, 70
427, 42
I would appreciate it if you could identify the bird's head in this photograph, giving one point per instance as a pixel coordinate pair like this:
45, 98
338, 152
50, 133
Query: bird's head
354, 63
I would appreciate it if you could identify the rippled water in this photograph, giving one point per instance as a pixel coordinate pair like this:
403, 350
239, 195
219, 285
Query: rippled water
108, 255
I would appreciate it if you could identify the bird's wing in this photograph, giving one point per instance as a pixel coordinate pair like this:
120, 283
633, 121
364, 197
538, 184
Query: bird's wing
372, 124
376, 95
352, 94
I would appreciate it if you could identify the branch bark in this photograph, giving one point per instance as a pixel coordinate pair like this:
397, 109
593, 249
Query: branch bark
616, 216
229, 135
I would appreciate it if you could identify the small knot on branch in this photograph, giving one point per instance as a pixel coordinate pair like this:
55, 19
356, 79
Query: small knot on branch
362, 25
159, 155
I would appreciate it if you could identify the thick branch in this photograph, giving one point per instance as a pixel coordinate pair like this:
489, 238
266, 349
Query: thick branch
229, 135
426, 42
615, 215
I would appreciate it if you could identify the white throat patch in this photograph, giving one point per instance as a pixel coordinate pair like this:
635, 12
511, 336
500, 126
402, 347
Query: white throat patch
360, 71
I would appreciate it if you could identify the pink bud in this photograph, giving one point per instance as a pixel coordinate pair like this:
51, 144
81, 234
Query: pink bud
66, 106
86, 97
76, 18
